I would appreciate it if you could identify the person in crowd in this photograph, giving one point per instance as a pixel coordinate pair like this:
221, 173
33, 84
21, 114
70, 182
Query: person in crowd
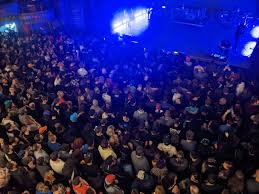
53, 145
159, 170
139, 160
236, 183
166, 147
179, 164
159, 190
194, 189
211, 185
39, 152
80, 186
55, 163
105, 150
140, 115
4, 175
143, 182
253, 184
110, 185
170, 183
41, 188
188, 144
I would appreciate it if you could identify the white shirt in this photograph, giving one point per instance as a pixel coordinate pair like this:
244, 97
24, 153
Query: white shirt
57, 166
41, 153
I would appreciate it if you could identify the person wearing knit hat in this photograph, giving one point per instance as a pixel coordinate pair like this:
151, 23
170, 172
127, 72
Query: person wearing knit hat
42, 129
78, 143
7, 104
192, 110
110, 179
110, 185
84, 148
73, 117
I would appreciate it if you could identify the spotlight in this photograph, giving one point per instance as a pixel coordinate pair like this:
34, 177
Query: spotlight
163, 6
255, 32
249, 48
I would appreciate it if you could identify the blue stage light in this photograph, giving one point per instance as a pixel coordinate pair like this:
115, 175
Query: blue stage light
130, 22
8, 27
255, 32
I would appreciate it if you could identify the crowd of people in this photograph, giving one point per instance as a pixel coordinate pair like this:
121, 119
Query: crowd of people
108, 116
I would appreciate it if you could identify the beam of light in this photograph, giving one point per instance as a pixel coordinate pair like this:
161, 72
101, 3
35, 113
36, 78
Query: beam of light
137, 14
249, 48
117, 25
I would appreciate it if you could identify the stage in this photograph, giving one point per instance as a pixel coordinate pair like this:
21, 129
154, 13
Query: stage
198, 41
234, 60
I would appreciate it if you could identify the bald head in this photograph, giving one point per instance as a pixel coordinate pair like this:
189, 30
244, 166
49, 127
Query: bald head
194, 189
